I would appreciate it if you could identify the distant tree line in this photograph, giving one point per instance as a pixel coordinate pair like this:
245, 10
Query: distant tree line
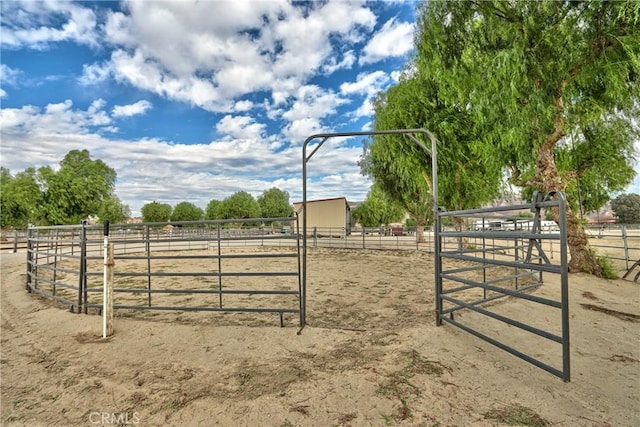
272, 203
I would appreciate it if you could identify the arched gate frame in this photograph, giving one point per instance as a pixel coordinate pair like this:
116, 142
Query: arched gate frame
323, 137
534, 261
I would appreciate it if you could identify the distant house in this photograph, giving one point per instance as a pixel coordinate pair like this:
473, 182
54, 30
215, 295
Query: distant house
327, 216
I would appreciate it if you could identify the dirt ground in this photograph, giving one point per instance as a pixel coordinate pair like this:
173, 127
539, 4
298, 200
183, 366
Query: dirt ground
370, 355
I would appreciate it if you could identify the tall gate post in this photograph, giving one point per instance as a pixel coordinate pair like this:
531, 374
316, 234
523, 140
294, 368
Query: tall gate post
107, 283
83, 268
29, 255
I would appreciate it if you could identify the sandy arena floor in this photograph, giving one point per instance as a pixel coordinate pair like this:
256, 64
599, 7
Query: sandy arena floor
369, 356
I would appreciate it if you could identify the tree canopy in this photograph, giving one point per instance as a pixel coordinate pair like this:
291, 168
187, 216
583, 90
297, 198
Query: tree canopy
20, 199
627, 208
238, 206
545, 90
80, 188
213, 210
274, 203
156, 212
186, 211
468, 171
377, 209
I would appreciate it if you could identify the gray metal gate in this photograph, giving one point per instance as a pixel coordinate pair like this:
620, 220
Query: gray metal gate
506, 259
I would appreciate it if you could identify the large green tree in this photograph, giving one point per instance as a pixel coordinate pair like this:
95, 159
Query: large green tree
113, 210
213, 210
627, 208
468, 171
79, 189
186, 211
156, 212
377, 209
20, 199
552, 84
274, 203
238, 206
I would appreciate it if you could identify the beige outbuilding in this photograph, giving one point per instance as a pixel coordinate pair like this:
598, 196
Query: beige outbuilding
326, 216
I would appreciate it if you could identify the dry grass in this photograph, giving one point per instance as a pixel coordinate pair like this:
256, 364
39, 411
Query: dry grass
516, 415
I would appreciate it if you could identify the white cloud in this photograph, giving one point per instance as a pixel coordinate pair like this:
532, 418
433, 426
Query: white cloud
211, 53
366, 83
395, 75
394, 39
298, 130
8, 75
313, 102
139, 107
36, 25
56, 119
331, 65
369, 85
2, 93
94, 73
242, 106
240, 127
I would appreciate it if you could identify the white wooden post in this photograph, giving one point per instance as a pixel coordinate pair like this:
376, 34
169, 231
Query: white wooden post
107, 285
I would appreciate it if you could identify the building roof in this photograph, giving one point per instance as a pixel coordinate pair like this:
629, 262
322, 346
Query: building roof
323, 200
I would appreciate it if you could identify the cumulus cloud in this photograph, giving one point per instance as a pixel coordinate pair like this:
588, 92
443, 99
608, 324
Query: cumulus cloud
242, 106
8, 75
313, 102
394, 39
36, 25
368, 85
240, 127
139, 107
210, 53
94, 74
331, 65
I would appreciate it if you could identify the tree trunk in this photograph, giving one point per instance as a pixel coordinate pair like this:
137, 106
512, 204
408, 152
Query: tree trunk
583, 259
421, 222
463, 242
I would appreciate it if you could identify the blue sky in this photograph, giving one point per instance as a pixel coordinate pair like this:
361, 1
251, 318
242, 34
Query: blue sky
197, 100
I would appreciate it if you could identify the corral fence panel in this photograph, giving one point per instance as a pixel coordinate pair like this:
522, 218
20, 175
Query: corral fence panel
216, 266
507, 261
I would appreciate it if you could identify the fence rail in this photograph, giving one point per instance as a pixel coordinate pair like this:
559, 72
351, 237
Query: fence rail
618, 243
66, 264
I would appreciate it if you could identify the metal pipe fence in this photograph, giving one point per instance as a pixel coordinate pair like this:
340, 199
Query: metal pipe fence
619, 243
186, 266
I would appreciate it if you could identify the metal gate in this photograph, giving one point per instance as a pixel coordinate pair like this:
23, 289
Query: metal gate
500, 258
